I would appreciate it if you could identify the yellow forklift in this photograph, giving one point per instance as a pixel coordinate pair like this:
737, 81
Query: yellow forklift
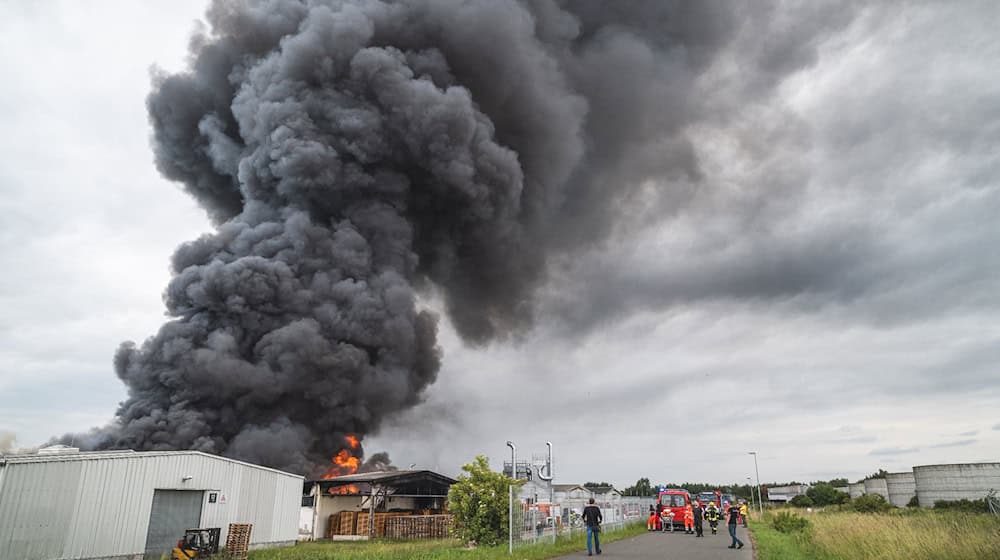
197, 543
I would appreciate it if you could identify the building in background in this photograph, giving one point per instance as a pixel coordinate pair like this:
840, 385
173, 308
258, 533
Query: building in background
785, 493
60, 503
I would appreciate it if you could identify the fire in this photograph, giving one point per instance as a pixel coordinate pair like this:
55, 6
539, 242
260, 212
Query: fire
345, 462
349, 489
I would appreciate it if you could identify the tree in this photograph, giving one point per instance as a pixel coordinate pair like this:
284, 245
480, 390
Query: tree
642, 487
597, 485
877, 474
824, 494
479, 504
801, 501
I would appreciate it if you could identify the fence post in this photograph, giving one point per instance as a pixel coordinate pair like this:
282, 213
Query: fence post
510, 519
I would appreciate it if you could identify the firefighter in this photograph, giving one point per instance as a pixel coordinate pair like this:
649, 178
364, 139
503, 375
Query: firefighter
651, 522
743, 514
712, 515
688, 520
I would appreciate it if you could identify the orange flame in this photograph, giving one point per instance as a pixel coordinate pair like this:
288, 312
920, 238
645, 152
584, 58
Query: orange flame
349, 489
345, 462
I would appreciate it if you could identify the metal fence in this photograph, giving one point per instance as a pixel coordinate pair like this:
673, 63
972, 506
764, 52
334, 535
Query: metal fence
532, 522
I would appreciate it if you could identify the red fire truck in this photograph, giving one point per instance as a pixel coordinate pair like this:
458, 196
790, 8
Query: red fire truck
676, 501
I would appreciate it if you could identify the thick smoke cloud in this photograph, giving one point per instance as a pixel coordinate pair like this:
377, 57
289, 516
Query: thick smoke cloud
355, 154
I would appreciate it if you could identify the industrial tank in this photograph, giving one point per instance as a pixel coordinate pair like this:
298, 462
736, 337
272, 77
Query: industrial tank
877, 486
856, 489
902, 487
968, 481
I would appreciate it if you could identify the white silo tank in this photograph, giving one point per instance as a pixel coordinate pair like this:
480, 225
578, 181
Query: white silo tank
877, 486
965, 481
902, 487
856, 489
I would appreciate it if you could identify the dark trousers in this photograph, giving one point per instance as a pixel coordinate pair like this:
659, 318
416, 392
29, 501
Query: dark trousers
697, 527
732, 533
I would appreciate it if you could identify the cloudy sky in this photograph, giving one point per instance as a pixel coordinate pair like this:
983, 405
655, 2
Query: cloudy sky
821, 289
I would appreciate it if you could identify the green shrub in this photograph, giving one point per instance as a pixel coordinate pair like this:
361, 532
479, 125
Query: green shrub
823, 494
870, 503
479, 504
914, 502
967, 506
801, 501
788, 522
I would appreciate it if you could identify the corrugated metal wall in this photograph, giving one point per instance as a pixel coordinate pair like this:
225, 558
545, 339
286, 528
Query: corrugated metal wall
98, 505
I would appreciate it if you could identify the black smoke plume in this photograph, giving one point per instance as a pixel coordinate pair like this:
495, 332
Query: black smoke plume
355, 154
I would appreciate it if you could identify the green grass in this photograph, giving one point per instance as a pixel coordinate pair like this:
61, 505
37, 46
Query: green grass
898, 535
435, 550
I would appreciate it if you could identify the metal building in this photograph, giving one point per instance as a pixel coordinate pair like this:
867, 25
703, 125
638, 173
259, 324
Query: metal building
902, 488
856, 489
877, 486
786, 493
130, 505
968, 481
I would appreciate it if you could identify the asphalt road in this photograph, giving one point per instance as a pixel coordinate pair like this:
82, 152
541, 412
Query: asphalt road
676, 545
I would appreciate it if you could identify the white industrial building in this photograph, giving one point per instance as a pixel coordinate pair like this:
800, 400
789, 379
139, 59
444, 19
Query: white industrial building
63, 504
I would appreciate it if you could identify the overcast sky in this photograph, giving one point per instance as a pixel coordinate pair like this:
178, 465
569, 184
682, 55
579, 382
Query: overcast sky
825, 293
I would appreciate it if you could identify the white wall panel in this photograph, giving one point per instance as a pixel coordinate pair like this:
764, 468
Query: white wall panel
97, 505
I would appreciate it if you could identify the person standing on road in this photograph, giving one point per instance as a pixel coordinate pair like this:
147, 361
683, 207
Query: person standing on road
743, 514
712, 515
592, 518
688, 520
698, 515
734, 517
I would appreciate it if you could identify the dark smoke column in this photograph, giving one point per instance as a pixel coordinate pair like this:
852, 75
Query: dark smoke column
340, 171
353, 152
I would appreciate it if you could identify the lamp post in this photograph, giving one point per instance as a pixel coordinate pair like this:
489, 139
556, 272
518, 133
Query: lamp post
760, 496
510, 498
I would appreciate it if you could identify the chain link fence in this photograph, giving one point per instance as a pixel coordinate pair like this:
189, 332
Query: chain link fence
532, 522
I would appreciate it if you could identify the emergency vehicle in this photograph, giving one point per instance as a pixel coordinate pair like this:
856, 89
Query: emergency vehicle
675, 500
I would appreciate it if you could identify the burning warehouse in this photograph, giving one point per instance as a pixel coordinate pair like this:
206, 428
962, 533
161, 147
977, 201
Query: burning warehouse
396, 504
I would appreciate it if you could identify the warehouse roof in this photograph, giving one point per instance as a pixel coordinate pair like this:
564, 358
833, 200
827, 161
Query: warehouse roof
415, 483
389, 477
72, 455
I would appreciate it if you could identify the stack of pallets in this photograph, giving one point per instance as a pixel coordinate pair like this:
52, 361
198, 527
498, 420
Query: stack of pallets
238, 540
418, 527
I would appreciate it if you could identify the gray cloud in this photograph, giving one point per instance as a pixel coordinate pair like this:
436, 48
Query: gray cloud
969, 433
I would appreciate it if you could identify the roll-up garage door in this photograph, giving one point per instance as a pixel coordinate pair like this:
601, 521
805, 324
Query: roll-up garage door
173, 512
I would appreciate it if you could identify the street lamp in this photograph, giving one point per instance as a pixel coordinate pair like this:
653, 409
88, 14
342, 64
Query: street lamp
760, 496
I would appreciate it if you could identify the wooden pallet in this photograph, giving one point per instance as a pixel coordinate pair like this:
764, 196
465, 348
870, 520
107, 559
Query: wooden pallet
238, 540
418, 527
348, 519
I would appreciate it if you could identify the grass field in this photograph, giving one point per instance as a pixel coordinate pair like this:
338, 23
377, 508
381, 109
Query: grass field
899, 535
433, 550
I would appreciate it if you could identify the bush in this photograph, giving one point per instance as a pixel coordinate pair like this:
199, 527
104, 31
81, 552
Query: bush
479, 504
788, 522
801, 501
823, 494
967, 506
914, 502
870, 503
